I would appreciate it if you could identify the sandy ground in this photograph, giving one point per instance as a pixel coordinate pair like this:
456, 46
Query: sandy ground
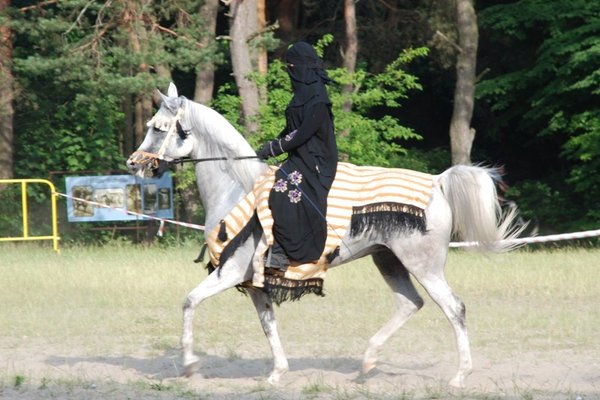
31, 369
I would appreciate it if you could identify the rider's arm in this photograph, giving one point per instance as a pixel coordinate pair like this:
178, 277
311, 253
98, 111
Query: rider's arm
287, 142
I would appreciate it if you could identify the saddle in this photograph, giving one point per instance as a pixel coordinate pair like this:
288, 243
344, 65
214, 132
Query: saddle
361, 199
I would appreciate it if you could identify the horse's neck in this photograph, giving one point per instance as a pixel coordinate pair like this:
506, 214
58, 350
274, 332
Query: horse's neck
221, 184
219, 192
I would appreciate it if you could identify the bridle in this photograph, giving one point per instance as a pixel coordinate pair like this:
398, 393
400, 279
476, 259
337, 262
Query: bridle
143, 158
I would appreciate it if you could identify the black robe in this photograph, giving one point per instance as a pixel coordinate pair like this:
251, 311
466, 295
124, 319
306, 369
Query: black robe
298, 199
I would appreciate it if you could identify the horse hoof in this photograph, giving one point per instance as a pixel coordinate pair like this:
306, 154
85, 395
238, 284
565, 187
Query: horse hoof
368, 365
273, 380
457, 382
191, 367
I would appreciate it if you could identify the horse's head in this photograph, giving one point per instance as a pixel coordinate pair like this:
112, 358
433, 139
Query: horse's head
167, 137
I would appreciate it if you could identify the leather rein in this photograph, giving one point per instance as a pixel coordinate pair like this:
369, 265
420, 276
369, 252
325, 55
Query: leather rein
154, 160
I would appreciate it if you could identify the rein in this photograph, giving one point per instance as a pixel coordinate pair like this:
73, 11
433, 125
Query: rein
155, 160
197, 160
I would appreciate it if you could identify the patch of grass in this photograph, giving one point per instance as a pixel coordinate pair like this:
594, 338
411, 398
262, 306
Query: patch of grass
175, 388
316, 388
44, 382
19, 381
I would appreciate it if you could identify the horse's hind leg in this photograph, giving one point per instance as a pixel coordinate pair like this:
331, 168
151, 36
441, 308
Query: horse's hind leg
428, 269
264, 308
455, 311
408, 301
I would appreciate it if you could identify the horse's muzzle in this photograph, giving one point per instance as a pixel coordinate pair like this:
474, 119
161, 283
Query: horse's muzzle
144, 164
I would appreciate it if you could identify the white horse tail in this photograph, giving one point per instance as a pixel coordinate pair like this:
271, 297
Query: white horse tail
476, 212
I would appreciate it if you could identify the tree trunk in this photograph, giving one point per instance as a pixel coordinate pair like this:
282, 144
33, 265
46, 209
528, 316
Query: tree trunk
461, 133
205, 72
350, 51
244, 24
286, 12
138, 39
128, 145
6, 98
262, 61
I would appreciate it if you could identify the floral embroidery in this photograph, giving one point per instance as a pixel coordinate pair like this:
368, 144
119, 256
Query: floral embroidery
295, 195
295, 178
290, 135
280, 186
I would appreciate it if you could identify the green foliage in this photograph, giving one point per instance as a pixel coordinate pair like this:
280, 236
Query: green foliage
364, 137
11, 214
67, 99
76, 65
81, 130
433, 161
544, 205
369, 138
549, 85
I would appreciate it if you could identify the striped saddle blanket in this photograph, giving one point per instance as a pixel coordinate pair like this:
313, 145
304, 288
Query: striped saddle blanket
360, 199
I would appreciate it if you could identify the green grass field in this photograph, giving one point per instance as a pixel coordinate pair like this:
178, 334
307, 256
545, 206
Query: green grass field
122, 299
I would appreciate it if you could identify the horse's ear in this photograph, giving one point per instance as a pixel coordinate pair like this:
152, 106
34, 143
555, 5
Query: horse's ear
172, 91
172, 103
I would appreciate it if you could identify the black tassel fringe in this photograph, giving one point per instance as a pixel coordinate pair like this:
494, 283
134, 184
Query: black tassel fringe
387, 217
222, 235
281, 289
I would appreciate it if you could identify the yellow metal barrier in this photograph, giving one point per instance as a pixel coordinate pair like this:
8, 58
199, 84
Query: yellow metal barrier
54, 237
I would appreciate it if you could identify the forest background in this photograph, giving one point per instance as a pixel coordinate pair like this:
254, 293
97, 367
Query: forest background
418, 84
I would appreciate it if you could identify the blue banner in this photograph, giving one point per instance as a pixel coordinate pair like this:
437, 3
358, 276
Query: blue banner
150, 196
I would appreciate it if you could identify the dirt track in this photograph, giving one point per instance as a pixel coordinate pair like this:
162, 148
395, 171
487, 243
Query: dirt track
68, 374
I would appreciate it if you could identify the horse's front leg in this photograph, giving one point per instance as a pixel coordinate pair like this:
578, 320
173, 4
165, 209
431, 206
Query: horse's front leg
264, 308
231, 274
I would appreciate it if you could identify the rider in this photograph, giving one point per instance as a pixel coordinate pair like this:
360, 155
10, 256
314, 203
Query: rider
298, 200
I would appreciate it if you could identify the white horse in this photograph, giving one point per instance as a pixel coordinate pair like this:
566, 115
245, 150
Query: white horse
464, 202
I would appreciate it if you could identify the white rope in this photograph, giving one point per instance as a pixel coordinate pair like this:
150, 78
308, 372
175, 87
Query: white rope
162, 220
536, 239
539, 239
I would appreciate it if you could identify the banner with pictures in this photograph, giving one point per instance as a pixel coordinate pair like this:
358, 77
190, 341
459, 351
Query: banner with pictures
151, 196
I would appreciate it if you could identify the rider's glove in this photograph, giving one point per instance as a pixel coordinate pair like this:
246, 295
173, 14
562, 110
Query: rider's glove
265, 151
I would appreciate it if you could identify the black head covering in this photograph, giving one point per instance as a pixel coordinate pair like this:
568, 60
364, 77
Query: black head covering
308, 77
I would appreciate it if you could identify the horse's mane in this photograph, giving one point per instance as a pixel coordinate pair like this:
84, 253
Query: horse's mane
219, 138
